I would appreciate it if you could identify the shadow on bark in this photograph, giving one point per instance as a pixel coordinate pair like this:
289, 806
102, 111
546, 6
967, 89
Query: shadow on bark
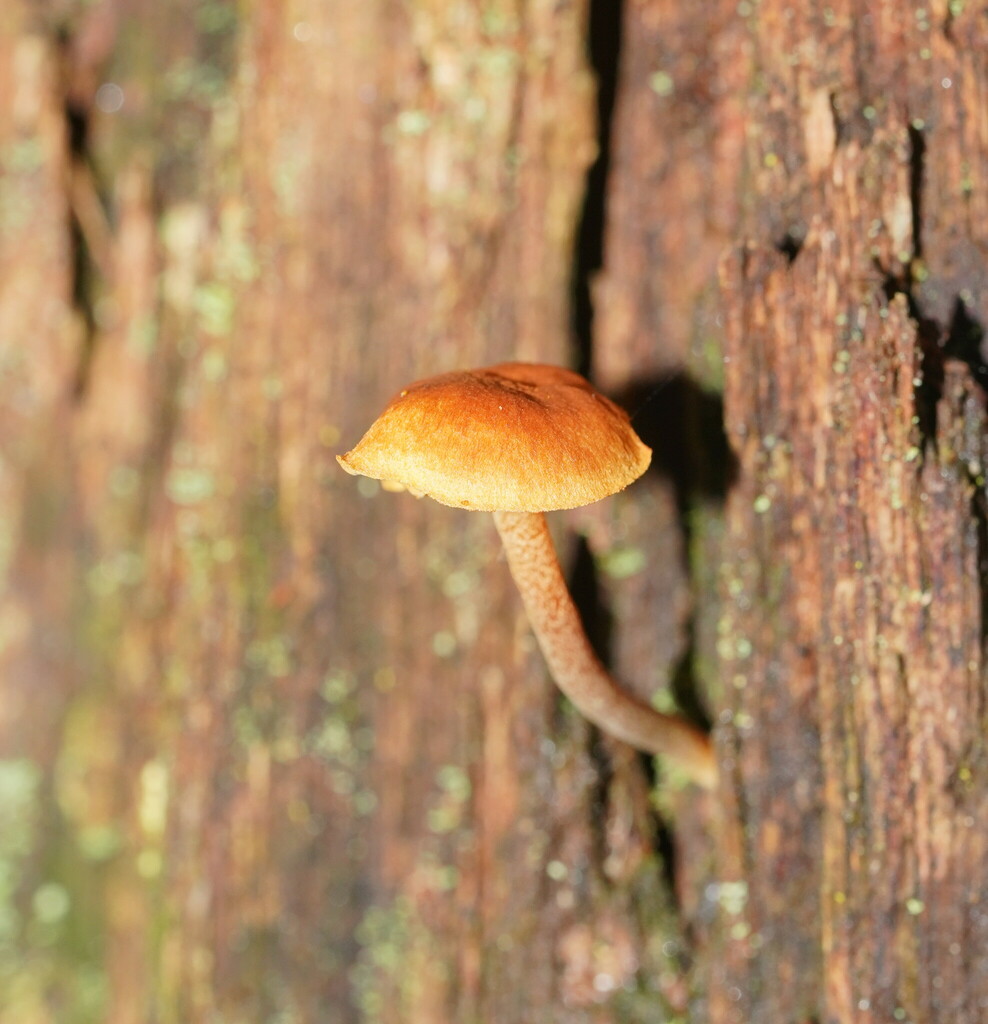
683, 424
604, 54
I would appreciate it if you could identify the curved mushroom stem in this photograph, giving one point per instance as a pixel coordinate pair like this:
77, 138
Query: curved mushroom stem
577, 670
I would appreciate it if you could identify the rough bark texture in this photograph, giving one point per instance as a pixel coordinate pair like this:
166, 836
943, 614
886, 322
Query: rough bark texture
854, 584
276, 746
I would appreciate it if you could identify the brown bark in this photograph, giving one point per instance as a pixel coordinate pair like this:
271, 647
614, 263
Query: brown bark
853, 630
274, 745
277, 746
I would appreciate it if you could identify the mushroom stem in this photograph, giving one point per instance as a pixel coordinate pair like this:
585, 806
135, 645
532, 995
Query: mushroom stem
577, 670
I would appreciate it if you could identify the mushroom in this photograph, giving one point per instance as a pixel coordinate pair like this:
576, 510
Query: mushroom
518, 440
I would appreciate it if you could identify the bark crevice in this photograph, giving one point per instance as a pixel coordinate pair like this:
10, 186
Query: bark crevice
604, 37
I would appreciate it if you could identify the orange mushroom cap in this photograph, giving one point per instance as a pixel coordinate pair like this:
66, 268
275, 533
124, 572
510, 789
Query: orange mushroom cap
517, 437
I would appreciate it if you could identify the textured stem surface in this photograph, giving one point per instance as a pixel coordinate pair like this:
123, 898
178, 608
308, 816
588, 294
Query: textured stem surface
577, 670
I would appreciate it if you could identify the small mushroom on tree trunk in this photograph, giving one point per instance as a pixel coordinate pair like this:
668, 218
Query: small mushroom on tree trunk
518, 440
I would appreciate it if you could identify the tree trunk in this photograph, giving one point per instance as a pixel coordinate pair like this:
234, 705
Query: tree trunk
277, 745
853, 632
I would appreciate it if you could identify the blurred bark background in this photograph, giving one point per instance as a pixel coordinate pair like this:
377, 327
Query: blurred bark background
276, 746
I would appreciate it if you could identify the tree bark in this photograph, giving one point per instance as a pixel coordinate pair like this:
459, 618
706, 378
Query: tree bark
853, 632
275, 745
